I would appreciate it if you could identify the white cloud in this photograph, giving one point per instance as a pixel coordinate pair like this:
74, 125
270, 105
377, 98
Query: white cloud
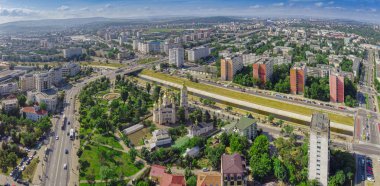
278, 4
373, 9
318, 4
84, 9
331, 2
334, 8
16, 12
108, 6
255, 6
63, 8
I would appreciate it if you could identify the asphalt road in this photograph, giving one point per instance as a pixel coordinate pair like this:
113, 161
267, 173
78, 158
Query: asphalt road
56, 174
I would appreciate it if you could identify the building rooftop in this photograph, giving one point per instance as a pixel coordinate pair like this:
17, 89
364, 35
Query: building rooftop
157, 171
320, 122
232, 164
34, 111
209, 178
172, 180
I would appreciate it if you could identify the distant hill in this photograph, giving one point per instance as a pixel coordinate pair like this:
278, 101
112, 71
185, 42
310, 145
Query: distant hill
46, 25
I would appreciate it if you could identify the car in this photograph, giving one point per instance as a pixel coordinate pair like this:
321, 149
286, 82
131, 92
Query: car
56, 137
66, 151
65, 166
205, 169
68, 123
22, 168
363, 178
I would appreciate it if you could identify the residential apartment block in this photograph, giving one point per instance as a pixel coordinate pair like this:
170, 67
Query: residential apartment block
177, 56
263, 70
298, 75
319, 153
336, 87
197, 53
229, 66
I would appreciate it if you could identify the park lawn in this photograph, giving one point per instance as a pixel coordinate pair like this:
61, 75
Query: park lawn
147, 60
100, 156
180, 142
107, 139
347, 120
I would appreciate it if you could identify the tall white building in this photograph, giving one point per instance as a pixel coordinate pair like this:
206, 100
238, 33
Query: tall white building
27, 82
198, 53
319, 153
177, 56
55, 75
42, 81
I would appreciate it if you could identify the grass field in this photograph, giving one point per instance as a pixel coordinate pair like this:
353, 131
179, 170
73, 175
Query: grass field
181, 142
29, 171
136, 137
98, 158
147, 60
104, 184
107, 139
249, 98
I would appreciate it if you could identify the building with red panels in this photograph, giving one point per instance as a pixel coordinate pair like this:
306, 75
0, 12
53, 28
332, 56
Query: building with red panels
229, 66
336, 87
298, 78
263, 69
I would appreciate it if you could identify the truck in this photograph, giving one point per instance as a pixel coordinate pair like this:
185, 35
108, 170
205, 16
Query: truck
72, 134
63, 122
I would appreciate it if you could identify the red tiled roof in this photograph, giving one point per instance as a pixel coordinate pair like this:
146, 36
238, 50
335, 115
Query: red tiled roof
32, 110
172, 180
232, 164
157, 171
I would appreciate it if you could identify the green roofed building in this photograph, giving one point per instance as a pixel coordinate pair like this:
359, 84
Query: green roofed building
246, 126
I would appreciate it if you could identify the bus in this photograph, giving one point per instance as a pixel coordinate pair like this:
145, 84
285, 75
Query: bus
72, 134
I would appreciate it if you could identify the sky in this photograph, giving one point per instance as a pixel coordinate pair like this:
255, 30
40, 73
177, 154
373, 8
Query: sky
15, 10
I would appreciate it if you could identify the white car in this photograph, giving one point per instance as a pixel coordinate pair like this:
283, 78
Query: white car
56, 137
65, 166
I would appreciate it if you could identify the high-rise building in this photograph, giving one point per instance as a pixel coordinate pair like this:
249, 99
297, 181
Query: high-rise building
42, 81
27, 82
336, 87
298, 78
229, 66
198, 53
319, 153
263, 70
177, 56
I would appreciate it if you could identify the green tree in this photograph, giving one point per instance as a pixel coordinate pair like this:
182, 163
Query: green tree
133, 154
238, 143
338, 179
192, 181
148, 87
124, 94
43, 106
279, 170
21, 100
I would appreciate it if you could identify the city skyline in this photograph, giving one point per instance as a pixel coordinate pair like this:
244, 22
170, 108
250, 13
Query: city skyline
367, 10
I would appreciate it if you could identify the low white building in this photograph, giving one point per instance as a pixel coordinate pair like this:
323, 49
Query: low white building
42, 97
34, 113
8, 88
160, 137
200, 129
246, 126
9, 104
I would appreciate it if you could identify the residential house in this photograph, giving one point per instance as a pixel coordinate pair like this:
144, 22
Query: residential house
233, 170
246, 126
200, 129
160, 137
34, 113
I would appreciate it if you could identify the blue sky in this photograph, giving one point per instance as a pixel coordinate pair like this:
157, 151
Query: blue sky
12, 10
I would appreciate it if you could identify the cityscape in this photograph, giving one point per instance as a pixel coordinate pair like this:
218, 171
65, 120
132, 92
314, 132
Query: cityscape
190, 93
